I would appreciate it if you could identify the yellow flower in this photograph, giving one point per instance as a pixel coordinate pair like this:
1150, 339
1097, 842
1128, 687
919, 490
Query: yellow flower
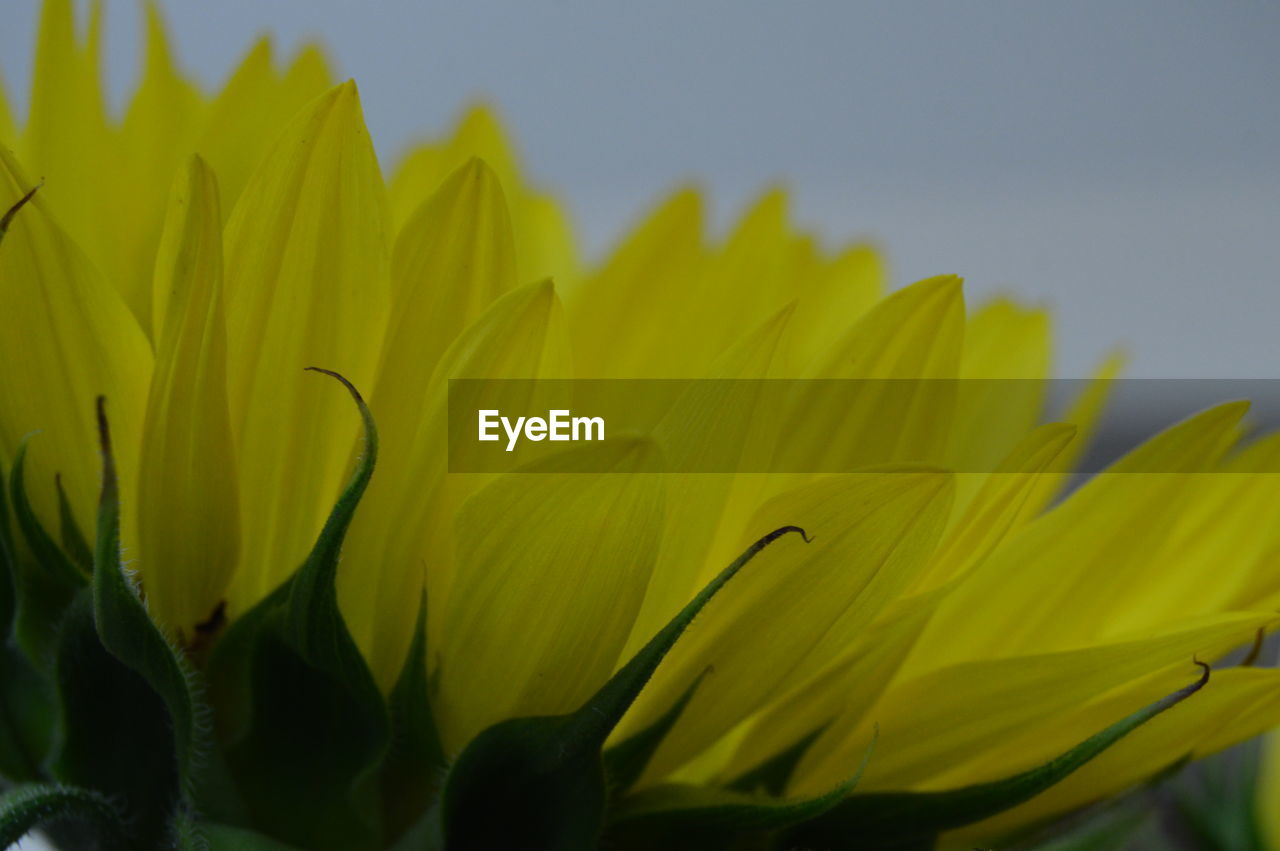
188, 261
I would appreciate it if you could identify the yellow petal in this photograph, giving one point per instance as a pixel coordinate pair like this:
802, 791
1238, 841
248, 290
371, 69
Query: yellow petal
253, 109
188, 525
67, 142
625, 318
1005, 364
452, 259
833, 298
8, 127
704, 510
970, 709
836, 698
188, 535
916, 333
1237, 704
1062, 572
403, 523
798, 605
1228, 518
1085, 413
306, 76
551, 568
65, 338
543, 239
306, 284
998, 506
155, 138
749, 279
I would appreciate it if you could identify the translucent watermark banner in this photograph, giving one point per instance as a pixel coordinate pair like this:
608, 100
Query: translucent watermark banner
813, 426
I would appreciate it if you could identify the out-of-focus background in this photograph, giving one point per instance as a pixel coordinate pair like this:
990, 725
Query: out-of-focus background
1118, 160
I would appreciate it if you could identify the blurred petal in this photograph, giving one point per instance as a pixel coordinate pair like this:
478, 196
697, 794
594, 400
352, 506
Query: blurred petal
543, 238
1085, 413
1006, 364
625, 317
1237, 704
253, 109
67, 142
972, 709
155, 139
832, 299
1060, 572
8, 127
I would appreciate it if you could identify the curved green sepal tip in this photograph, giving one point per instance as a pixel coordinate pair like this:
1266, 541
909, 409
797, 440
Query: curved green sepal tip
546, 775
304, 726
896, 819
124, 626
313, 619
44, 584
27, 807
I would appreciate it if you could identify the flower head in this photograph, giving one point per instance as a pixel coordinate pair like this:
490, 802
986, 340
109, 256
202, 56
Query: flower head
1010, 650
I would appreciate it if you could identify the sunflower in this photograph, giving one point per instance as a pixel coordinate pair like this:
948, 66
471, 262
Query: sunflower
241, 612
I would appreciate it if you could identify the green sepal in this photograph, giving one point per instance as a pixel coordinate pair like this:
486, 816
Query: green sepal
127, 631
73, 540
885, 820
773, 775
8, 556
625, 762
115, 731
25, 703
545, 776
415, 760
44, 583
27, 807
707, 817
304, 725
26, 717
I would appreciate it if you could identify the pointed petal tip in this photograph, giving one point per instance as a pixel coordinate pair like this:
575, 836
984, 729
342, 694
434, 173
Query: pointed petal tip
477, 170
480, 111
1229, 412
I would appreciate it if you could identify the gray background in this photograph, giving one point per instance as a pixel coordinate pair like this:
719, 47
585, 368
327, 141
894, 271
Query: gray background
1114, 160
